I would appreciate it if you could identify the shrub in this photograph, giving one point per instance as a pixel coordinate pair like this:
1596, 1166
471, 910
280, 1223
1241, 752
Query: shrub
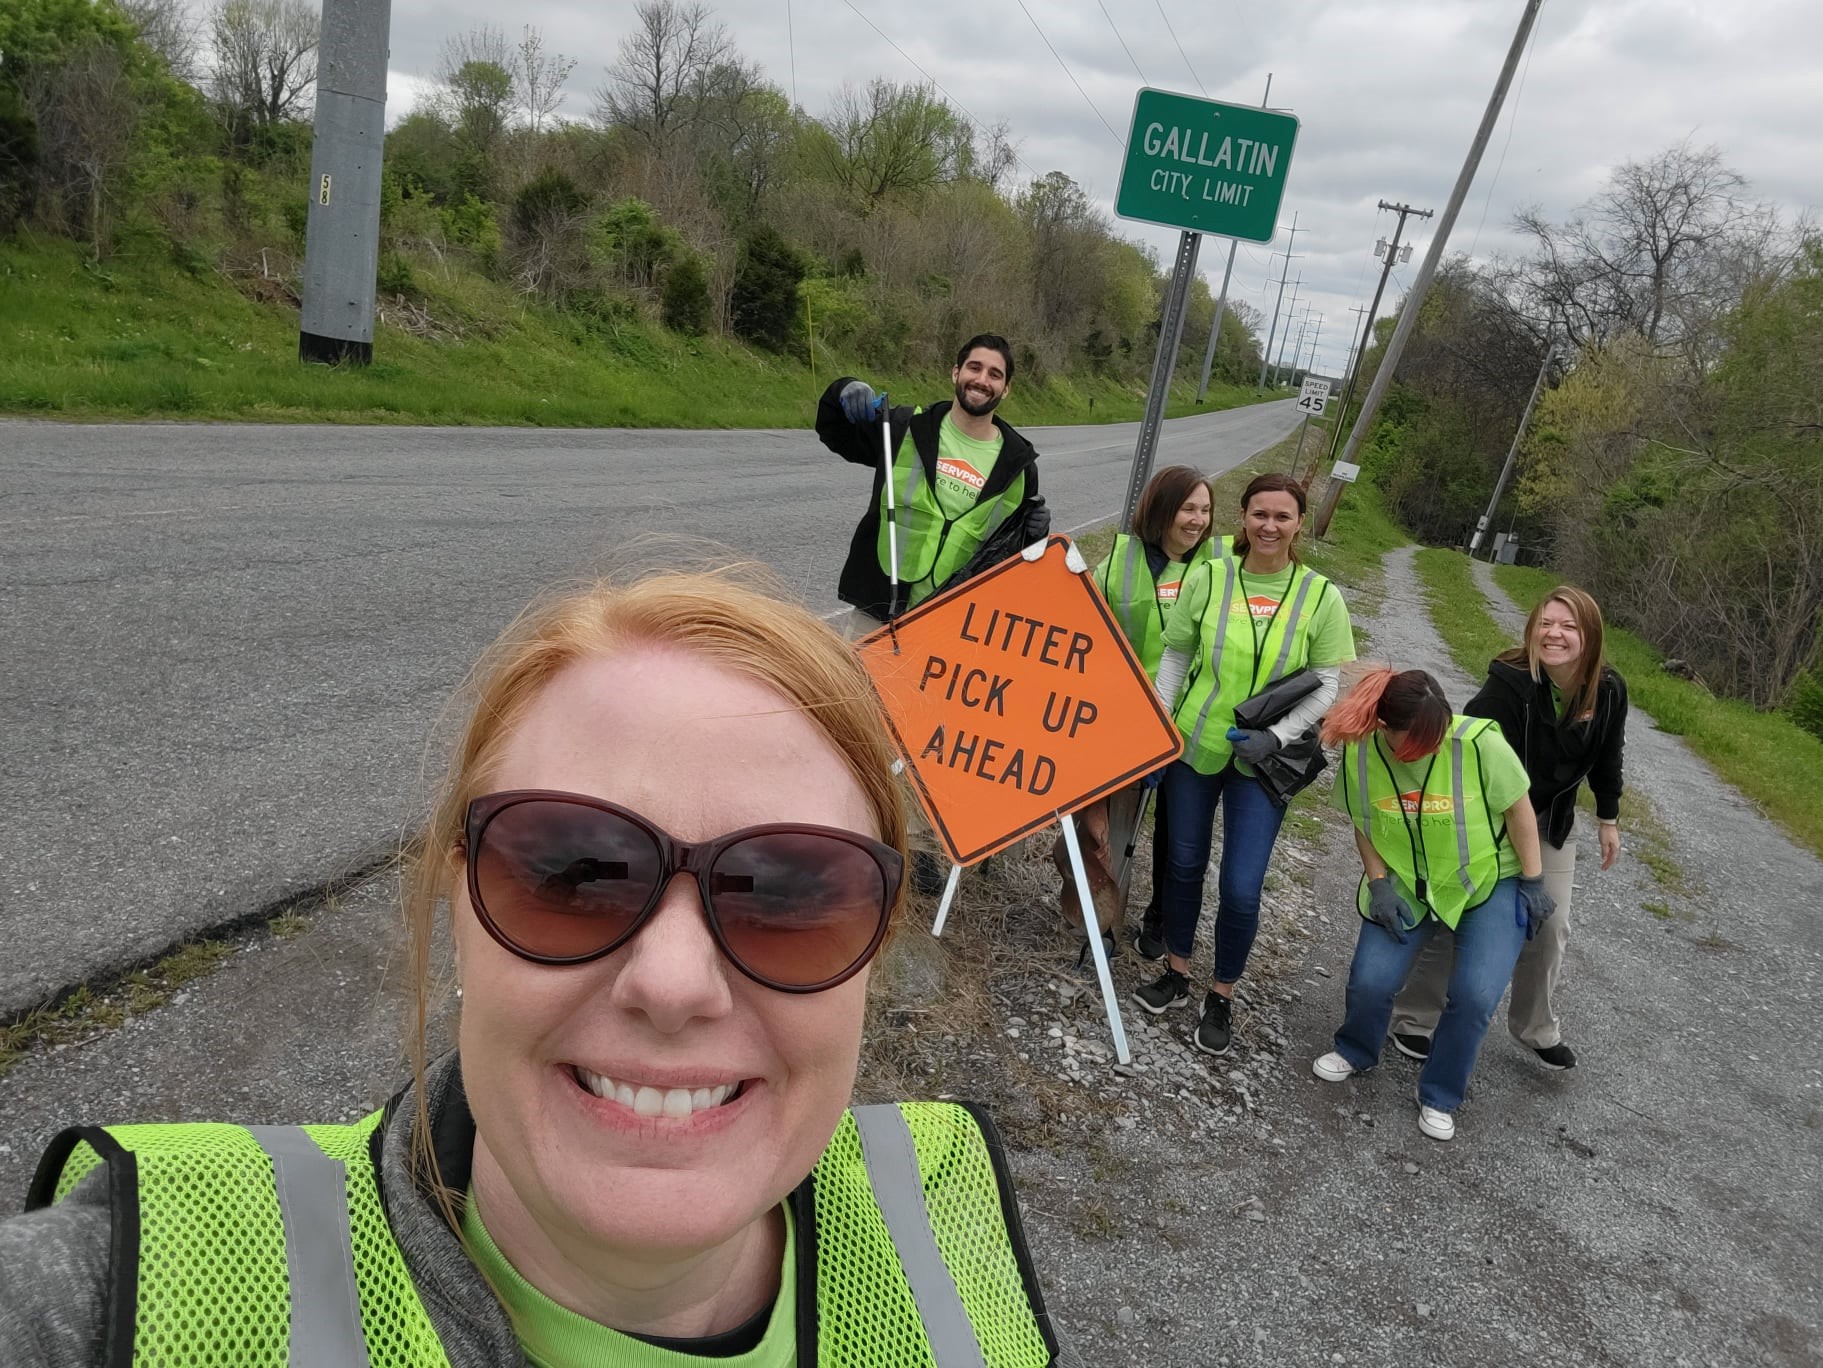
686, 302
1805, 705
765, 303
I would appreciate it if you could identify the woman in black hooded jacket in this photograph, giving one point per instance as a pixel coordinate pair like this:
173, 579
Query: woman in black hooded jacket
1564, 709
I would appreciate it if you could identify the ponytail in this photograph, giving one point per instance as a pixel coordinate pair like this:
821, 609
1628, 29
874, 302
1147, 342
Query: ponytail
1410, 701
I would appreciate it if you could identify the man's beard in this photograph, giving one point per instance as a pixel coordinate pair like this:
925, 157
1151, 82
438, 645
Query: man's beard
974, 411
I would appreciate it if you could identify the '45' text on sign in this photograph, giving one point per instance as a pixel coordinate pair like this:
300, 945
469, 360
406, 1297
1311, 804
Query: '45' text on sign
1014, 697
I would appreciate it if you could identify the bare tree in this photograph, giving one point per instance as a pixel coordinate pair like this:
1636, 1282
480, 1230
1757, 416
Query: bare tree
538, 78
87, 114
662, 65
169, 29
265, 60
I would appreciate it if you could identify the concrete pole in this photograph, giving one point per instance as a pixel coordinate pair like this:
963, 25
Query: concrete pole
1414, 299
1277, 364
342, 231
1221, 302
1506, 470
1373, 312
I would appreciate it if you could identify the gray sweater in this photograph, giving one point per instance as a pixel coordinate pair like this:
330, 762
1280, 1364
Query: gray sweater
54, 1263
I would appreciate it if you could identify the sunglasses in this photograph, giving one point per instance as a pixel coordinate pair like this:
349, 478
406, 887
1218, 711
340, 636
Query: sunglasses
560, 878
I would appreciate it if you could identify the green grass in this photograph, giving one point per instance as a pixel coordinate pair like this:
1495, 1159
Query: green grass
142, 338
91, 1010
1769, 758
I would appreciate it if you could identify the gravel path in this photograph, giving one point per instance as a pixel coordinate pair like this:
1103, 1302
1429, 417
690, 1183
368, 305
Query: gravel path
1657, 1205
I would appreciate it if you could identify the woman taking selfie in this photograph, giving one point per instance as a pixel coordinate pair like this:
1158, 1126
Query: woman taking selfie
1242, 622
669, 844
1449, 850
1564, 709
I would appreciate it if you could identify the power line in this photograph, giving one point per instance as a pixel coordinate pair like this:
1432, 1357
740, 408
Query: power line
974, 123
1123, 43
1073, 81
1513, 118
1180, 47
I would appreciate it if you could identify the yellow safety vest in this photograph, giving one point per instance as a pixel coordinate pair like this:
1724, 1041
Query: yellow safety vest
1132, 592
268, 1247
1440, 841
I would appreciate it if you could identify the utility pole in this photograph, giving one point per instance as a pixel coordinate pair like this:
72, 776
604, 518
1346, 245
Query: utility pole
1348, 366
1266, 355
1404, 211
1297, 285
342, 229
1297, 347
1221, 302
1414, 299
1316, 337
1170, 332
1506, 471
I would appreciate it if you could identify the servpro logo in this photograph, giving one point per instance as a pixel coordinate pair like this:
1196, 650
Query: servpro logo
961, 472
1432, 805
1167, 593
1261, 606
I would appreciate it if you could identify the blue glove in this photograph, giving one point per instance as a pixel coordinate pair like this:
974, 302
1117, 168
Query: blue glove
1534, 906
1154, 779
1253, 746
859, 403
1387, 910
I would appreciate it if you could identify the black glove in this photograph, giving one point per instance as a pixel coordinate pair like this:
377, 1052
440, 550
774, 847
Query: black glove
859, 404
1387, 910
1253, 746
1037, 519
1535, 905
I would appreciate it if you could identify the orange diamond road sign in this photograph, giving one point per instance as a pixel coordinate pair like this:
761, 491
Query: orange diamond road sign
1015, 697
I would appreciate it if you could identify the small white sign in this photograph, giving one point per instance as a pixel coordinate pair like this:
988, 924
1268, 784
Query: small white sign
1345, 471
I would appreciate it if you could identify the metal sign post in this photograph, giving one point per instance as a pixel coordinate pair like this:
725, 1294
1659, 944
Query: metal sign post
1200, 166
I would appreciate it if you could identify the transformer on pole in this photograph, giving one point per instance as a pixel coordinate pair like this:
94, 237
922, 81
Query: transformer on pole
342, 232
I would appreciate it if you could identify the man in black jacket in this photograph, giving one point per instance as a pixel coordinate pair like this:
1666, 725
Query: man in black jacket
965, 487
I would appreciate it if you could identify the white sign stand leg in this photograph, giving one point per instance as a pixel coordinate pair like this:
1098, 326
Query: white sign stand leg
1092, 929
949, 896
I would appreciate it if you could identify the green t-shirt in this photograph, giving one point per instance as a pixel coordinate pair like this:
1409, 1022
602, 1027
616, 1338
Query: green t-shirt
555, 1337
1503, 776
964, 465
1332, 639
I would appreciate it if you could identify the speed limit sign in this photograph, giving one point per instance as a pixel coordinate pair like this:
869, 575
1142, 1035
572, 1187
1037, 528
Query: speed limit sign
1313, 396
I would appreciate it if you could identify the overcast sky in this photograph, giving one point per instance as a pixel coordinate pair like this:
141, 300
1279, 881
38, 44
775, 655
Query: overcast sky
1388, 94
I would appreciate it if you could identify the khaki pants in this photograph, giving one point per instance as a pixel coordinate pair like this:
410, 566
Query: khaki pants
1531, 1015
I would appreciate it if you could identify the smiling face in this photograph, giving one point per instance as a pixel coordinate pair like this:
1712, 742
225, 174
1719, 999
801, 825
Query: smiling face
981, 381
1271, 520
657, 1101
1557, 637
1191, 523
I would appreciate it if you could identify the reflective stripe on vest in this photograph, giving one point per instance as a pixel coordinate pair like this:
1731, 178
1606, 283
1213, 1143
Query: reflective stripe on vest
1293, 622
891, 1158
1462, 825
319, 1251
1126, 601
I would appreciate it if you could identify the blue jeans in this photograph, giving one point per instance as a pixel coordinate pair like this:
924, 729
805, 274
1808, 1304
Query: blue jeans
1488, 943
1250, 825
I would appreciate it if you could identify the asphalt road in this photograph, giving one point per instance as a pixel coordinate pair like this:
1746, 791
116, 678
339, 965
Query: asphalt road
225, 646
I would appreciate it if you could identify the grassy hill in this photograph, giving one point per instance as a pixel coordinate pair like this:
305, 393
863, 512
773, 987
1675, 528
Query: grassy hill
141, 337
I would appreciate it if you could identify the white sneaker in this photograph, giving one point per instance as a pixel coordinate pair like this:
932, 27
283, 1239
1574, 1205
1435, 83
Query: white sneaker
1332, 1068
1439, 1125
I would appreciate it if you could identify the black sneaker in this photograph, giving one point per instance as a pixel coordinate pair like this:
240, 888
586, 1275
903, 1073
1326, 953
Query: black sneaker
1558, 1056
1108, 948
1169, 989
1150, 943
1413, 1046
1215, 1032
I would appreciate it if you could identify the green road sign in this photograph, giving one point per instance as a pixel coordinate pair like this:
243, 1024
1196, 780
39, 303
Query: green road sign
1205, 166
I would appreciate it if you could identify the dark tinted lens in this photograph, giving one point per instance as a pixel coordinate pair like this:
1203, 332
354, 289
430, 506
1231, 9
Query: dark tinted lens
563, 881
797, 908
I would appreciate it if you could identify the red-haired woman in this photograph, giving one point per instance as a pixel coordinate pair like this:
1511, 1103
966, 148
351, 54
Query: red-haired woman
1448, 845
1243, 621
1564, 709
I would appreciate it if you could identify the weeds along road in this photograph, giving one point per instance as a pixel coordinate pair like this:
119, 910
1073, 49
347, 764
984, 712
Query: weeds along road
226, 645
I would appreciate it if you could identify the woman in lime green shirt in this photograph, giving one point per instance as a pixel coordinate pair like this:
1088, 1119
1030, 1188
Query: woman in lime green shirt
667, 847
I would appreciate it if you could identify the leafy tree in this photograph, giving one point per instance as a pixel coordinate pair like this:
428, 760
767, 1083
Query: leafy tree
894, 139
764, 307
631, 244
